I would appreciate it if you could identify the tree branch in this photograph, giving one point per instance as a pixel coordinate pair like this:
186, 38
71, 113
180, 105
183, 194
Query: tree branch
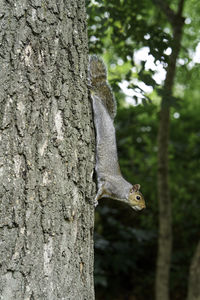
180, 8
170, 14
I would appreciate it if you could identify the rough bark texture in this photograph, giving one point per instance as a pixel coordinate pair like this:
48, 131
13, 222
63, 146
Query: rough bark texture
165, 218
46, 155
194, 277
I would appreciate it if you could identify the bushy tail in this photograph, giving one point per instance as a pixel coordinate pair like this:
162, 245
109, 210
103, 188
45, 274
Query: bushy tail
99, 84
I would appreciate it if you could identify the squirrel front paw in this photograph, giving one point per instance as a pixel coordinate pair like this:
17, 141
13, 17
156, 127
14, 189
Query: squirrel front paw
96, 202
98, 196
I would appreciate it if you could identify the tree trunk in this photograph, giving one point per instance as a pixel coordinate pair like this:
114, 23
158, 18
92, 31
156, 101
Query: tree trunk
194, 277
165, 219
47, 152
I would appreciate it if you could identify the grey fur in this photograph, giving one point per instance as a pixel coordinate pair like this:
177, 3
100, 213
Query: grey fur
111, 183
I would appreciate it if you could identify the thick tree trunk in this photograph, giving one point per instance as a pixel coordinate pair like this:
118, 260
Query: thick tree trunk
165, 219
46, 155
194, 277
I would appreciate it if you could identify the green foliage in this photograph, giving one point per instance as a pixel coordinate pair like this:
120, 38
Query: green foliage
126, 242
118, 28
127, 25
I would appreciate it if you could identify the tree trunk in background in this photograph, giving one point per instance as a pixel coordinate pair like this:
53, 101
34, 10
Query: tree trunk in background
165, 218
194, 276
46, 155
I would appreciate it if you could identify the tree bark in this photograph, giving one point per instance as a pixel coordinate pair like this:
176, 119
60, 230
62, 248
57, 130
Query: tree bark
194, 276
47, 152
165, 218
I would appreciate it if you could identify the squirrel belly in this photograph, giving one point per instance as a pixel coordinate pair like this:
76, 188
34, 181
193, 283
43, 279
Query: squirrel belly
106, 149
110, 180
111, 183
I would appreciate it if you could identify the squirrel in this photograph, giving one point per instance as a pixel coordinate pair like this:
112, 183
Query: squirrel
110, 181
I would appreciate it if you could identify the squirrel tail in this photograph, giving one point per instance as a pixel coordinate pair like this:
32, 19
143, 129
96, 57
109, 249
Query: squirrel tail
99, 84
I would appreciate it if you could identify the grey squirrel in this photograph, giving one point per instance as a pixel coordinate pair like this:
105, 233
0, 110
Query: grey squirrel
111, 183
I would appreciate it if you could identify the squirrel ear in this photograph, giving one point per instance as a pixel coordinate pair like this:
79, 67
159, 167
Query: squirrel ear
136, 187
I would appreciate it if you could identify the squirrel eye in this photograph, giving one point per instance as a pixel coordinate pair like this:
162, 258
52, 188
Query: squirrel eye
138, 197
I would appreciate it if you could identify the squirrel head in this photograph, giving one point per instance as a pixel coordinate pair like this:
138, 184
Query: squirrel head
136, 199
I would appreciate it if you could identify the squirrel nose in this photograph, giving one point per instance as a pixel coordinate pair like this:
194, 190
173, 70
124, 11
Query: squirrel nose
143, 206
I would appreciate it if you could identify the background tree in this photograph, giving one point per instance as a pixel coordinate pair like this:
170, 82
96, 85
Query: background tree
194, 279
165, 221
47, 154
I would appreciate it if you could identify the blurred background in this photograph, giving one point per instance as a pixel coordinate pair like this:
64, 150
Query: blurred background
152, 52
